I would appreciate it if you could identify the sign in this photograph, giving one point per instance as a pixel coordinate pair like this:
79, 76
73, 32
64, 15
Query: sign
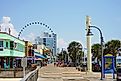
109, 66
24, 62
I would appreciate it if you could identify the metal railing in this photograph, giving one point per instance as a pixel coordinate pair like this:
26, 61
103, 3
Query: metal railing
31, 76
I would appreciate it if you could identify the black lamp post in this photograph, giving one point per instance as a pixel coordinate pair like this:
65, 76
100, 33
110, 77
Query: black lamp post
102, 61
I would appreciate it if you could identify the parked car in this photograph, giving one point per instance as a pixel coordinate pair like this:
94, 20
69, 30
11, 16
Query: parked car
119, 74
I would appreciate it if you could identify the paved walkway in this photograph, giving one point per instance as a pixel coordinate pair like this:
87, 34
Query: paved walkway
51, 73
10, 79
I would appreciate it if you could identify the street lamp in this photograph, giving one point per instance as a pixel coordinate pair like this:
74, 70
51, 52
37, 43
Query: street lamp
102, 61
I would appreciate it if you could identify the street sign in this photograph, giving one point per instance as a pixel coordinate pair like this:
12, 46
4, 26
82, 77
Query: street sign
24, 62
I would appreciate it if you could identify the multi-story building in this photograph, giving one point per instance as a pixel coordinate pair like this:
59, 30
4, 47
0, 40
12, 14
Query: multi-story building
49, 40
10, 49
29, 52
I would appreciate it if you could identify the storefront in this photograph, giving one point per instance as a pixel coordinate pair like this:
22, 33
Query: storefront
39, 58
10, 49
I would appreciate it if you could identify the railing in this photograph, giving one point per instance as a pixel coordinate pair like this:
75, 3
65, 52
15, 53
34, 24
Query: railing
31, 76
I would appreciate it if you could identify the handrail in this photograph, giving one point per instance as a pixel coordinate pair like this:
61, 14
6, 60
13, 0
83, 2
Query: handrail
31, 74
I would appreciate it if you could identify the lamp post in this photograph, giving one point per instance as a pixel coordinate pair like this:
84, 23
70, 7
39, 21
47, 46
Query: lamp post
101, 41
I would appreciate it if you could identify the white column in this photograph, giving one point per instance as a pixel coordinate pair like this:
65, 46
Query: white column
89, 57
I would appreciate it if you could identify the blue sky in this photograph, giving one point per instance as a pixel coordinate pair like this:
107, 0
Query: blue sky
65, 17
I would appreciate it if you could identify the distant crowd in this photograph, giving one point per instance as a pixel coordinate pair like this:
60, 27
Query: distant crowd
61, 63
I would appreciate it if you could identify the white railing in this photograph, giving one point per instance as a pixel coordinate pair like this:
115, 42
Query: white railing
31, 76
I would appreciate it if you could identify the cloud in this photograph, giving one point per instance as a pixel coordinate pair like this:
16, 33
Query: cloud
30, 37
61, 43
6, 24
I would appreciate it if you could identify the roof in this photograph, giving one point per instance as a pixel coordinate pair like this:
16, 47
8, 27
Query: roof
11, 36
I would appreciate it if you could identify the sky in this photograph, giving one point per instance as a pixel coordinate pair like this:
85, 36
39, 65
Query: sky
65, 17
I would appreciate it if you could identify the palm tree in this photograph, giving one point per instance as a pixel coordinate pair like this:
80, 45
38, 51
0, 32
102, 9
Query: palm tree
112, 47
62, 55
73, 50
96, 48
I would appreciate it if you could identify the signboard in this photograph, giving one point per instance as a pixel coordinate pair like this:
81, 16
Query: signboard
109, 66
24, 62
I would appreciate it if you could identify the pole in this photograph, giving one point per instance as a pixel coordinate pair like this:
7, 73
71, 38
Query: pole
102, 61
89, 58
24, 65
24, 72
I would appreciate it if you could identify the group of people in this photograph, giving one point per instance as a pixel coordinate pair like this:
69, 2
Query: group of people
60, 63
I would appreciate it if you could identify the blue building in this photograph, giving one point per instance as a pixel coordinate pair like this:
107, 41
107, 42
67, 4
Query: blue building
49, 40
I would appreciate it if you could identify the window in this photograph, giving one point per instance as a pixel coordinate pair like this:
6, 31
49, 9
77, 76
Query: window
49, 35
34, 46
15, 45
1, 49
11, 45
6, 44
1, 43
44, 39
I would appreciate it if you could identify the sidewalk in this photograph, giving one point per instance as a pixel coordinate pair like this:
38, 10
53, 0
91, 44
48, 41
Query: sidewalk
96, 76
10, 79
53, 73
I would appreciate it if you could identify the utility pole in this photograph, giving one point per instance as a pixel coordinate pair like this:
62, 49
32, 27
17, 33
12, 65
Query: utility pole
88, 36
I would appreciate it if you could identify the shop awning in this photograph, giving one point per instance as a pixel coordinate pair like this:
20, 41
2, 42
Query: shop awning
38, 55
37, 59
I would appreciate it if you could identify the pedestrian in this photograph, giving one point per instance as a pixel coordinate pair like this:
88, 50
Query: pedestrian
54, 63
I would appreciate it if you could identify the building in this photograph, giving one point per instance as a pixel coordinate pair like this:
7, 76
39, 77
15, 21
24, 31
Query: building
29, 49
10, 49
49, 40
29, 53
